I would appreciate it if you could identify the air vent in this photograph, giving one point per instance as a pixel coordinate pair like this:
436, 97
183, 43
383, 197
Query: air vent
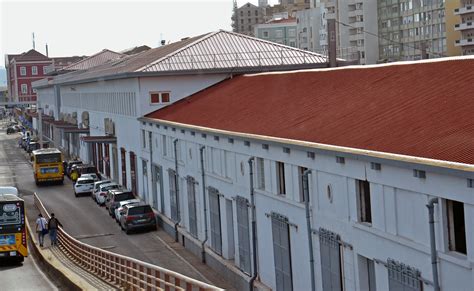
173, 129
470, 183
311, 155
286, 150
183, 131
265, 146
216, 138
247, 143
230, 140
340, 160
375, 166
193, 133
419, 174
203, 135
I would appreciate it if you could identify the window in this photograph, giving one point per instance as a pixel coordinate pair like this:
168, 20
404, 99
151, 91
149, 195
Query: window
45, 71
281, 188
260, 173
144, 139
24, 89
279, 33
456, 226
265, 34
34, 91
363, 199
301, 171
34, 70
22, 71
159, 97
164, 146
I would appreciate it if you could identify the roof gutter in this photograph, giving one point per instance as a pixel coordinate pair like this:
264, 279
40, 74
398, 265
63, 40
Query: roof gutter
324, 147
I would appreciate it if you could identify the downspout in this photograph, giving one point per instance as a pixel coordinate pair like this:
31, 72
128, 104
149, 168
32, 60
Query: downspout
203, 174
175, 142
254, 225
150, 141
434, 258
308, 225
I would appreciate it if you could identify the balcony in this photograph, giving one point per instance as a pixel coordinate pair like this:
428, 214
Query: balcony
464, 26
464, 10
463, 42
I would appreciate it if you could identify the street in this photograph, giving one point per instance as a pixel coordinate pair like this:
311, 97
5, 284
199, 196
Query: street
83, 219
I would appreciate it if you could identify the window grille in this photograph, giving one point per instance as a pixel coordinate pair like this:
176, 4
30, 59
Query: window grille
243, 233
282, 252
215, 220
330, 260
191, 183
402, 277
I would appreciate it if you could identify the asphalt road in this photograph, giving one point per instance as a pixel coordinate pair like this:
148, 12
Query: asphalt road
26, 276
85, 220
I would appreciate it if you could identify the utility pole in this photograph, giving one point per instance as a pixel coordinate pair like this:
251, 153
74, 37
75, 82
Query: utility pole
34, 41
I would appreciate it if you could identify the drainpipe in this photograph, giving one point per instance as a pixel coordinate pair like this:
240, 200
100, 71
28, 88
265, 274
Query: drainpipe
308, 225
434, 258
175, 142
254, 225
150, 141
203, 252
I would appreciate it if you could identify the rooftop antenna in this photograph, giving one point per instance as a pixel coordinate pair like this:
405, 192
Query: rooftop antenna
34, 40
47, 54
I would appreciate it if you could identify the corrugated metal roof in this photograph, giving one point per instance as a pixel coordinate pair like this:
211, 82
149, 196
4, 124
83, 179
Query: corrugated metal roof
225, 49
422, 109
94, 60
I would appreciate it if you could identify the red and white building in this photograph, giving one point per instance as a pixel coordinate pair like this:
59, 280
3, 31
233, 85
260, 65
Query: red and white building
25, 68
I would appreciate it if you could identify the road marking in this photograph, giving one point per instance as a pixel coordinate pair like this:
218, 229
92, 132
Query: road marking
84, 236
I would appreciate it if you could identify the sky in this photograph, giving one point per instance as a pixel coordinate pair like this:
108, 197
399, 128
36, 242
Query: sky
86, 27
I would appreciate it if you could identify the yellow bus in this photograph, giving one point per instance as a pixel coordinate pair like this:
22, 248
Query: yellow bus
13, 236
48, 165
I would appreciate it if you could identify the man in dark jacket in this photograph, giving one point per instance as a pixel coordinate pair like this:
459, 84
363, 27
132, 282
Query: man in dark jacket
53, 225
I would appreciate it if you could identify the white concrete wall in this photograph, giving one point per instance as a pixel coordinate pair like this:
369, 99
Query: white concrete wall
399, 228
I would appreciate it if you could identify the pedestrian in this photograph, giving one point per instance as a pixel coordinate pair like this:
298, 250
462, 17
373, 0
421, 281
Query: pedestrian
53, 225
41, 228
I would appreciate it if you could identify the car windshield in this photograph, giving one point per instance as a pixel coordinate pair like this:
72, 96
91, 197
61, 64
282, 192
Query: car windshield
85, 181
124, 196
140, 210
109, 187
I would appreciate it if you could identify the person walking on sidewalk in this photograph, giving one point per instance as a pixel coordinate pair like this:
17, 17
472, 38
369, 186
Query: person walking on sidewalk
41, 228
53, 225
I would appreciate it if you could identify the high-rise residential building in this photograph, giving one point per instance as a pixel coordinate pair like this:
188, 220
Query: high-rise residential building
356, 28
411, 29
466, 26
246, 17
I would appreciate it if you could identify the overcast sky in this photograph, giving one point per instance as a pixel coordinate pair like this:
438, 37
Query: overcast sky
86, 27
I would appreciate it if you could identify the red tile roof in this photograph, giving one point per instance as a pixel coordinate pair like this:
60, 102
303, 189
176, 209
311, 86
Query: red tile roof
423, 109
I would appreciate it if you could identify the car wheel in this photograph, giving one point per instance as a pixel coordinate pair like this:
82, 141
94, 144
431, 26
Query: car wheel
154, 228
127, 231
75, 194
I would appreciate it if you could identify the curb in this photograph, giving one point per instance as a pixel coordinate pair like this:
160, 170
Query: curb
63, 278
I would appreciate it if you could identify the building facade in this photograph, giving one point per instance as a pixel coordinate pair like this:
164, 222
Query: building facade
356, 29
466, 12
246, 17
282, 31
219, 178
412, 30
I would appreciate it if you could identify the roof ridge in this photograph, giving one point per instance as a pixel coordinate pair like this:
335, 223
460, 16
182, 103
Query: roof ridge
204, 36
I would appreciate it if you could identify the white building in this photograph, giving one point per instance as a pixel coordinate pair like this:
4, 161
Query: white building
95, 110
380, 143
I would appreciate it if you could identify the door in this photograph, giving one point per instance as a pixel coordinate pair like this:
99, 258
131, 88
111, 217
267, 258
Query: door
243, 233
123, 158
215, 219
133, 172
145, 180
101, 157
107, 160
173, 195
192, 205
282, 252
115, 171
330, 260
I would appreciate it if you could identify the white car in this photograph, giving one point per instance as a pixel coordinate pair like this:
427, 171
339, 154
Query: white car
83, 185
91, 175
120, 207
101, 194
97, 187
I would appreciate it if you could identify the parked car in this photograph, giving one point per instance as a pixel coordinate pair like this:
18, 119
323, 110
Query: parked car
87, 169
69, 165
137, 216
11, 129
101, 194
33, 145
91, 175
97, 187
83, 186
114, 197
118, 213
